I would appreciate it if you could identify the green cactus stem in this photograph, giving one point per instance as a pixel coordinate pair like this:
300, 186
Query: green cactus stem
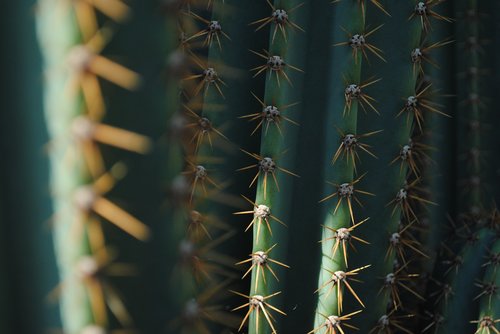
392, 208
342, 116
71, 44
487, 322
281, 64
465, 276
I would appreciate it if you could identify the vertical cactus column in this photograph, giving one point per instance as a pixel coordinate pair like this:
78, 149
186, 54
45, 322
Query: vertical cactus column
176, 183
464, 275
487, 320
349, 96
71, 43
470, 107
200, 279
281, 64
434, 158
489, 310
392, 177
437, 166
472, 220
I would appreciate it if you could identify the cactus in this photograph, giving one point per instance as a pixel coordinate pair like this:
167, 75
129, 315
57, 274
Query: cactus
72, 41
488, 306
281, 62
304, 167
4, 325
340, 224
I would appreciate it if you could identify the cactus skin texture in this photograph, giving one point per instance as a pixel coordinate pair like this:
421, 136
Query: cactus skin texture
323, 167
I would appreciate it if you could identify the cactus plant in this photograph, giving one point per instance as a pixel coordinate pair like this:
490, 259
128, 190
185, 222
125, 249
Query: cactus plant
303, 167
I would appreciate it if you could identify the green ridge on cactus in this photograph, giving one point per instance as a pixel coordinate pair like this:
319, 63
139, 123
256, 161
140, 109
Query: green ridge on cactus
438, 137
341, 121
489, 303
277, 142
176, 61
470, 107
58, 34
470, 195
398, 38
